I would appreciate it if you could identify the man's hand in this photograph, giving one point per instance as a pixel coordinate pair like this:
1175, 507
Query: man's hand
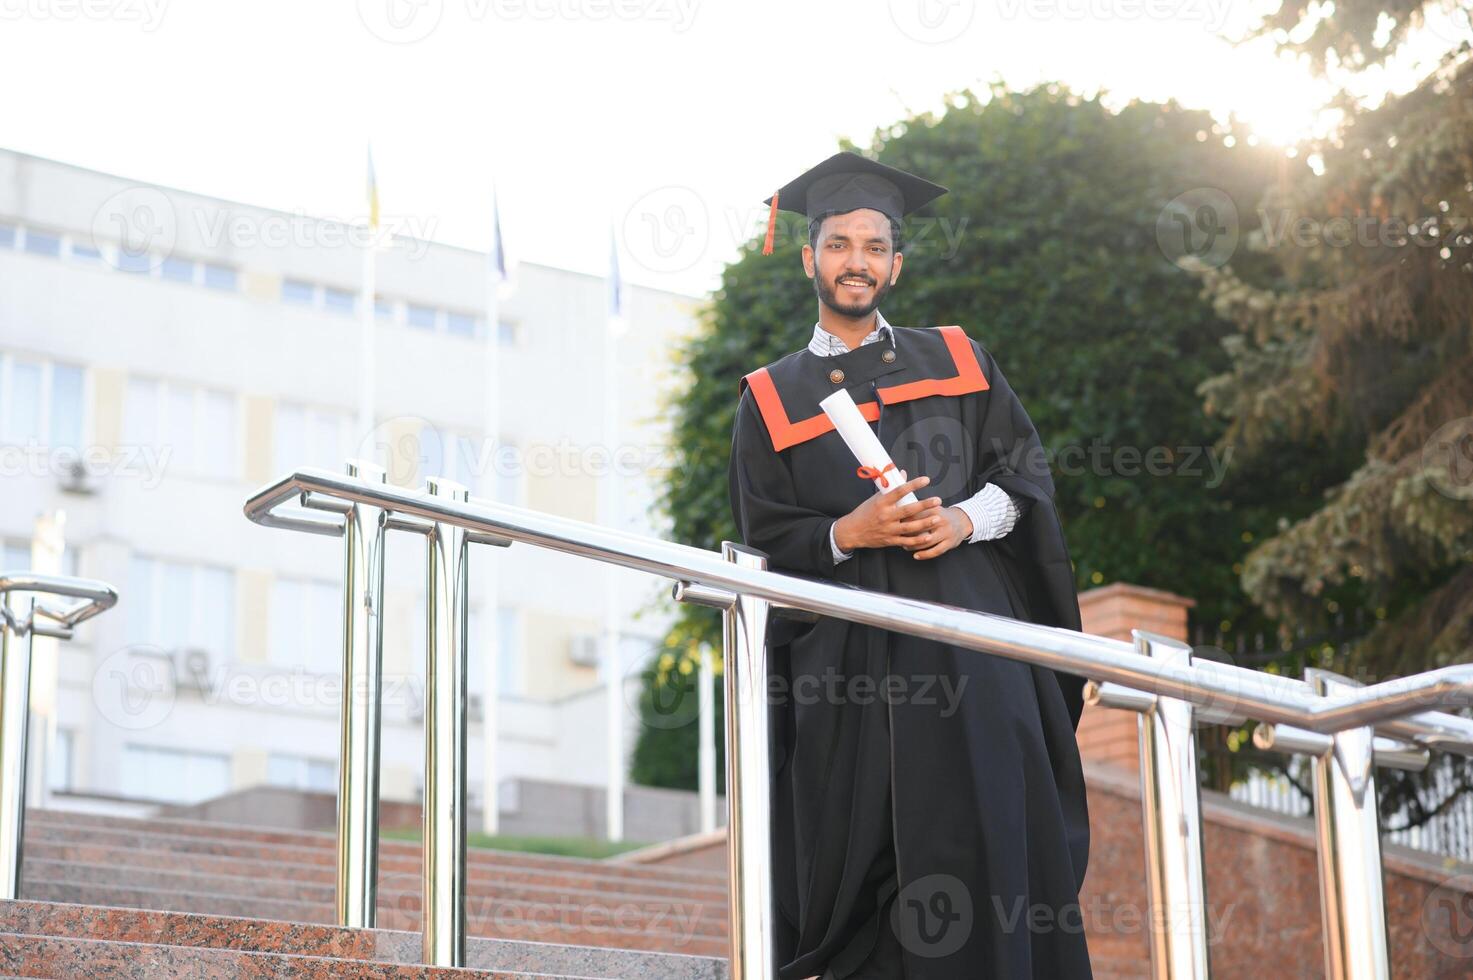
955, 528
882, 521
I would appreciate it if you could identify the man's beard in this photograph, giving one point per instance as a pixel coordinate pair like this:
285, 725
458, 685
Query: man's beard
828, 295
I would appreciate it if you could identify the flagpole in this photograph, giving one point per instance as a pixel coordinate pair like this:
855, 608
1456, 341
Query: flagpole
368, 368
491, 696
613, 672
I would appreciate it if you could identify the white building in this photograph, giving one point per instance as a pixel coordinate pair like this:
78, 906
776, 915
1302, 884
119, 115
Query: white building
194, 349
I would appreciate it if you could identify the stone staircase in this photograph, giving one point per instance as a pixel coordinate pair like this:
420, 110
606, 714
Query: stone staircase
108, 896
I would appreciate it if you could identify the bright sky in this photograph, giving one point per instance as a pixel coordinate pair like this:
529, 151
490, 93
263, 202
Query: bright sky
670, 119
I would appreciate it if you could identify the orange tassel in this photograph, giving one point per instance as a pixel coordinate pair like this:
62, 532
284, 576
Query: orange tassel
771, 226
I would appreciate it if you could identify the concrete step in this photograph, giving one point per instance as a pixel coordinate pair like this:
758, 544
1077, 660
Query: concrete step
104, 959
318, 859
565, 926
381, 945
325, 842
277, 881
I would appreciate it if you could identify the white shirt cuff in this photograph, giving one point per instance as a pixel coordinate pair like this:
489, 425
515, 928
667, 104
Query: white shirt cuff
993, 513
838, 555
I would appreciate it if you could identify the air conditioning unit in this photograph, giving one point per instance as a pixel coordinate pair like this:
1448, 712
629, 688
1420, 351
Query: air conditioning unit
191, 669
76, 479
584, 650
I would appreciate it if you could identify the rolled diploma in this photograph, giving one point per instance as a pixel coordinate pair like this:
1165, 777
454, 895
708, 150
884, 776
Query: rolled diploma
862, 441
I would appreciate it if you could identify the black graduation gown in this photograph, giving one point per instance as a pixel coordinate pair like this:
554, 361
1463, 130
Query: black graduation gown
978, 854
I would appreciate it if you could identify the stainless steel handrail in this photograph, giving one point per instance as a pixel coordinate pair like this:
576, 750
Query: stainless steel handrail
18, 628
94, 597
1221, 687
1351, 728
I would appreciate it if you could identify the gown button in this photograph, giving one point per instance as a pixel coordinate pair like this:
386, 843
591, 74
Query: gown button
888, 357
836, 376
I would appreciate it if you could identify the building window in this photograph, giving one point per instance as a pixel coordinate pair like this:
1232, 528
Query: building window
40, 402
309, 437
42, 243
172, 775
196, 427
451, 455
85, 253
300, 772
460, 324
338, 300
7, 236
384, 308
423, 317
221, 277
59, 765
507, 334
177, 270
15, 556
175, 606
137, 262
306, 625
297, 291
509, 651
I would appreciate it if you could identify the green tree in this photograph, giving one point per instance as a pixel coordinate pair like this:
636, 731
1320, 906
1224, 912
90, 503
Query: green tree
1364, 343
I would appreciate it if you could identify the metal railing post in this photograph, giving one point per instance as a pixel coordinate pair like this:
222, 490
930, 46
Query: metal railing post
1171, 808
361, 722
15, 697
447, 594
749, 832
1352, 904
44, 613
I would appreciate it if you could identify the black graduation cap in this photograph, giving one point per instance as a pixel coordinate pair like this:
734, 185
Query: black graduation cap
846, 181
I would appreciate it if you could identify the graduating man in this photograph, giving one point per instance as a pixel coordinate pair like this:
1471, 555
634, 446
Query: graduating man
929, 806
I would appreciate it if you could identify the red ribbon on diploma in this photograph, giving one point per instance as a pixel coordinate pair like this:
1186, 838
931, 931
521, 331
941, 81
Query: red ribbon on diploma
870, 473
